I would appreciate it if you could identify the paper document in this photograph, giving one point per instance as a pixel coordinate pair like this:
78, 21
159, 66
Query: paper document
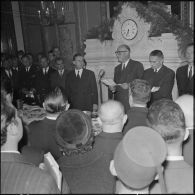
53, 168
108, 82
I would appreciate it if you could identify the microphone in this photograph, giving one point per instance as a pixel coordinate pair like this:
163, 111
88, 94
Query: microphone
101, 73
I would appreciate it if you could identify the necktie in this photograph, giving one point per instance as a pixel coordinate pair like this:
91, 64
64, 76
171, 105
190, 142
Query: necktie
10, 73
190, 73
61, 73
26, 69
78, 75
123, 67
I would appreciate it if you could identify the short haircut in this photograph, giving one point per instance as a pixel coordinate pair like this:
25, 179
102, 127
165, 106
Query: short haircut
167, 118
8, 113
76, 55
54, 101
140, 91
43, 56
126, 46
157, 53
25, 56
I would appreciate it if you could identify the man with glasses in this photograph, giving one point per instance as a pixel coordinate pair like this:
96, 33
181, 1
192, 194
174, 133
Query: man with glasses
124, 73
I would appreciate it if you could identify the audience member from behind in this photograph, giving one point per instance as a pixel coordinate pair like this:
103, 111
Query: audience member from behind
186, 102
138, 160
85, 169
139, 95
166, 117
17, 175
42, 133
112, 119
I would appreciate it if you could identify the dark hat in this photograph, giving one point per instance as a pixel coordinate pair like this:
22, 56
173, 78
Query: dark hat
73, 129
138, 156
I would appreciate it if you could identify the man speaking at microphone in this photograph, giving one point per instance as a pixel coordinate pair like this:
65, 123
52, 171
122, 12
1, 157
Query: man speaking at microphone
124, 73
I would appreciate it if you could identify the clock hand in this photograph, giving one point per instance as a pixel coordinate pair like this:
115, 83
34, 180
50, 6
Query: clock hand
127, 32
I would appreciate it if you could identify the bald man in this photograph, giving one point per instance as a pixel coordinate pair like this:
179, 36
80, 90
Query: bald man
112, 118
186, 102
124, 73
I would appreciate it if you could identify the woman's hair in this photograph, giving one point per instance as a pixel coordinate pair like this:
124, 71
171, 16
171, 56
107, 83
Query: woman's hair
55, 101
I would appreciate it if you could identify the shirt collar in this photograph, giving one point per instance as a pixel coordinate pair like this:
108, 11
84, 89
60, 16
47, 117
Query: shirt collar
174, 158
80, 71
11, 151
51, 117
126, 62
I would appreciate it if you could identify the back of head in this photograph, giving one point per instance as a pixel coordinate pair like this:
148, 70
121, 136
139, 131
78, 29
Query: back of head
111, 113
55, 101
138, 157
73, 131
166, 117
186, 102
140, 90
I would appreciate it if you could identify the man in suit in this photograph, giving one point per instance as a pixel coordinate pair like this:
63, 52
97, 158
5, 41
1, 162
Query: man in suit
112, 118
27, 78
42, 133
124, 73
160, 77
139, 95
186, 102
42, 83
18, 176
167, 118
81, 87
185, 74
58, 77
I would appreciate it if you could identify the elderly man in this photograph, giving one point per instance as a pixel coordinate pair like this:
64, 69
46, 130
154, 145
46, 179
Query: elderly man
166, 117
160, 77
18, 176
124, 73
139, 95
186, 102
112, 118
185, 74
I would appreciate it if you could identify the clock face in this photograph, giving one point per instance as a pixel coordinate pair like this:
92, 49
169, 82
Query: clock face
129, 29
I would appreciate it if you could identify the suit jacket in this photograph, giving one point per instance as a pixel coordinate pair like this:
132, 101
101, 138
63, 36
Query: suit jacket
57, 81
16, 84
178, 176
18, 176
164, 79
42, 83
88, 173
42, 136
133, 70
136, 117
184, 84
27, 79
82, 93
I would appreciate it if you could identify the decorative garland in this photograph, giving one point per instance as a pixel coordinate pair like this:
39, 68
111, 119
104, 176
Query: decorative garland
154, 13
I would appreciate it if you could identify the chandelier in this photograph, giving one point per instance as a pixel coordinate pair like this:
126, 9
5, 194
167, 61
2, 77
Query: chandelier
51, 13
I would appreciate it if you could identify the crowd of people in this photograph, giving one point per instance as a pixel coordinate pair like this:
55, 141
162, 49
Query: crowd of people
146, 142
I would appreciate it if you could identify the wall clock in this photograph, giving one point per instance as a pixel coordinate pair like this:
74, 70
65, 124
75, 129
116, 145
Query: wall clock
129, 29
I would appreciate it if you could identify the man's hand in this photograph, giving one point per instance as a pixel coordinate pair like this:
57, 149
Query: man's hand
154, 89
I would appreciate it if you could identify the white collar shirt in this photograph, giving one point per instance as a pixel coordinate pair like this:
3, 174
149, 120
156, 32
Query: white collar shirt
80, 72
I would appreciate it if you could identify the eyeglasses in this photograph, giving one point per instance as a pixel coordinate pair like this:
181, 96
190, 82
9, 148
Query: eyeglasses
119, 52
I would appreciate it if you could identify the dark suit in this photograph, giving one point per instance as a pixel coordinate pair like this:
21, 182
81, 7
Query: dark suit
18, 176
82, 92
27, 79
58, 81
136, 117
164, 79
184, 84
42, 84
16, 84
133, 70
42, 136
